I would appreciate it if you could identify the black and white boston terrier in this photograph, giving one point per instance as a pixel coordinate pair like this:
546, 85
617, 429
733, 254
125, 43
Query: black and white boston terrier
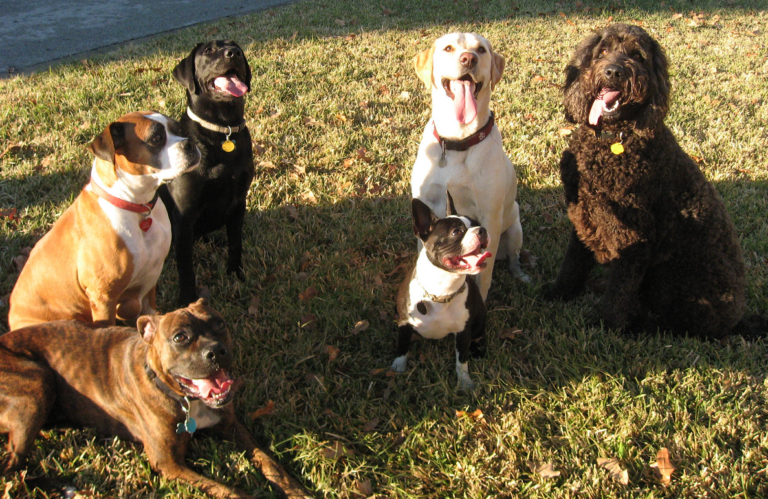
437, 298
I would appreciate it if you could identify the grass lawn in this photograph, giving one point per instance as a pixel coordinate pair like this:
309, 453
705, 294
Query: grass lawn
336, 113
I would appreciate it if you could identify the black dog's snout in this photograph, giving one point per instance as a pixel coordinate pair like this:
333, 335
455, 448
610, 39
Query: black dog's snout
613, 72
468, 59
232, 52
216, 353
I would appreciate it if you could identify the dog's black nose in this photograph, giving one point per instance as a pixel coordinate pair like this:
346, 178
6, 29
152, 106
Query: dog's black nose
468, 59
613, 71
482, 232
231, 52
215, 353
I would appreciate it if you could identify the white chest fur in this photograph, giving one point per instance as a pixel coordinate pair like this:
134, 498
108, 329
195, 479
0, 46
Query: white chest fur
205, 417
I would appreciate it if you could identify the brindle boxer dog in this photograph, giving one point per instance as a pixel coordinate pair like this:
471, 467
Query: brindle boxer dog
156, 387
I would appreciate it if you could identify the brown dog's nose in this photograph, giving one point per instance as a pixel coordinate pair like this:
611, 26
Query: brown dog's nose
468, 59
613, 71
231, 52
216, 353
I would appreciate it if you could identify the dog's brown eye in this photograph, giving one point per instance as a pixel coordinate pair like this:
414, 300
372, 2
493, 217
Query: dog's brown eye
603, 52
481, 50
218, 325
449, 48
457, 232
208, 50
180, 338
637, 56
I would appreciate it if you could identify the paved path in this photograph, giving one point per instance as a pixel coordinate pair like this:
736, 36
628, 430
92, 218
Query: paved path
36, 34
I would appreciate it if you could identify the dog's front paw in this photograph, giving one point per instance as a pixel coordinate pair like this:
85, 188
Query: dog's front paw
465, 384
517, 270
237, 271
400, 364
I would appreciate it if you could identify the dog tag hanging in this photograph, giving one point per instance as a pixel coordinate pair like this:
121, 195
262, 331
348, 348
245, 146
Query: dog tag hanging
442, 157
189, 425
145, 224
228, 145
618, 147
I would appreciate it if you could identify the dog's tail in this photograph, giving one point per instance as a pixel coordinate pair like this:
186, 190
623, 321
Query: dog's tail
752, 327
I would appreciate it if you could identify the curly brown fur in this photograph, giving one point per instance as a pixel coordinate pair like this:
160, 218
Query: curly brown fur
649, 214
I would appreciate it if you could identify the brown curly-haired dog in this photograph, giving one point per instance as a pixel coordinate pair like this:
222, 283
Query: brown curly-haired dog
637, 202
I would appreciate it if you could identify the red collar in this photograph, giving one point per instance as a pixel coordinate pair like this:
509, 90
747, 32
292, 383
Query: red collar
464, 144
143, 209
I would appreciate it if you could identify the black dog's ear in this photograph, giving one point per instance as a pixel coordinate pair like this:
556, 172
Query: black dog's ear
423, 219
658, 104
184, 72
247, 72
449, 206
576, 105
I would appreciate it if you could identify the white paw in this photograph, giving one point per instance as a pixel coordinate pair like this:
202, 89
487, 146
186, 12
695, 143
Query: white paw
399, 364
518, 272
465, 381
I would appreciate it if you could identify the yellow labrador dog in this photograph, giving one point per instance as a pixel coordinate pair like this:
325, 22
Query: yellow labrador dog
461, 148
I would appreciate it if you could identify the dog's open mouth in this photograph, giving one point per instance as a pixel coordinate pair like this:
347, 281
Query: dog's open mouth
606, 103
229, 83
463, 92
214, 391
470, 263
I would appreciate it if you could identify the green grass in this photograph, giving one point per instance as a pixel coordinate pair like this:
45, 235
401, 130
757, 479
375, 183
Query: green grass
563, 392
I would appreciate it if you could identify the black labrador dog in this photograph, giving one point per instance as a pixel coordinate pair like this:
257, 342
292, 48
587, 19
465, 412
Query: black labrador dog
216, 76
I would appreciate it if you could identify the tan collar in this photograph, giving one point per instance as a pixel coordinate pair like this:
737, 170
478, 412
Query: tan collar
214, 127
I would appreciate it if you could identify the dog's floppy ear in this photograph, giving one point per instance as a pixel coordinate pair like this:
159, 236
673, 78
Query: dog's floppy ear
423, 219
147, 326
497, 68
423, 65
450, 208
104, 147
576, 103
658, 104
184, 72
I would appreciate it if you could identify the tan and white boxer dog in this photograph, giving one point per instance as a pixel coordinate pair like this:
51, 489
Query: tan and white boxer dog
101, 259
157, 386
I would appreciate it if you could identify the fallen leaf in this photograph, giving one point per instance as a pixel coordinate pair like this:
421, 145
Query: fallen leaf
293, 212
309, 322
309, 197
340, 22
259, 149
405, 95
547, 218
381, 370
337, 450
362, 153
663, 466
360, 326
510, 333
308, 293
350, 36
332, 352
267, 164
387, 12
677, 16
390, 387
253, 308
544, 470
614, 468
293, 36
365, 487
371, 425
9, 213
564, 132
264, 411
476, 415
311, 122
527, 259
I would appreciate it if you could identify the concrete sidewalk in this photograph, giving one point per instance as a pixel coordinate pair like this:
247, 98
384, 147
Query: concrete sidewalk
35, 35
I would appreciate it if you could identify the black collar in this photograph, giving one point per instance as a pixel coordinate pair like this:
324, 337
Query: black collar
443, 298
162, 386
603, 135
464, 144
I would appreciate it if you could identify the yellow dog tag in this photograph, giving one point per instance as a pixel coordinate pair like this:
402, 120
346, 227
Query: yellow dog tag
229, 146
617, 148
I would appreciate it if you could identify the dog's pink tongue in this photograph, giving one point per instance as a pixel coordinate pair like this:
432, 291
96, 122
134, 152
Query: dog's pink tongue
217, 383
231, 85
476, 260
464, 102
605, 99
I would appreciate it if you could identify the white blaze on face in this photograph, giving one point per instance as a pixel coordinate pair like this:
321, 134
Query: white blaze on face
173, 160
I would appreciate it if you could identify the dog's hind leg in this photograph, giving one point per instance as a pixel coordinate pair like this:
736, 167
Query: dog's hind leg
574, 271
26, 397
510, 244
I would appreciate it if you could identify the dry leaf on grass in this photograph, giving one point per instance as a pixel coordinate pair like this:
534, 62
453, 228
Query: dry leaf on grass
365, 487
309, 322
332, 352
360, 326
546, 470
614, 468
253, 307
337, 450
293, 212
510, 333
371, 425
264, 411
376, 372
476, 415
340, 22
362, 153
308, 294
663, 466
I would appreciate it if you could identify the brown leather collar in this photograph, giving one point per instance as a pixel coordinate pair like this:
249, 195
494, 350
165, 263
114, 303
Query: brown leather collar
464, 144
